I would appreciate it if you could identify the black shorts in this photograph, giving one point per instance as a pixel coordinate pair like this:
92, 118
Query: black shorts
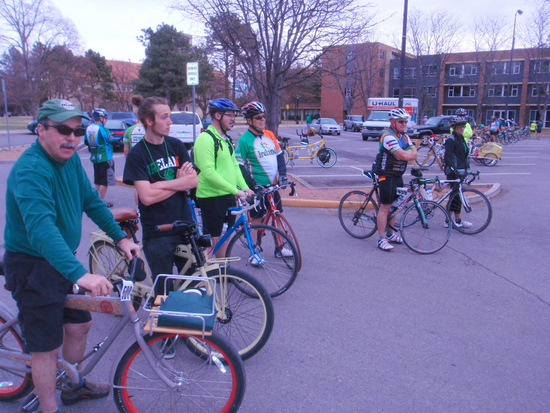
214, 213
104, 173
388, 188
40, 291
261, 210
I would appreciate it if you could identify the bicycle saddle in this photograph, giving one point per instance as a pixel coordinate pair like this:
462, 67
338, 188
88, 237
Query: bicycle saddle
124, 214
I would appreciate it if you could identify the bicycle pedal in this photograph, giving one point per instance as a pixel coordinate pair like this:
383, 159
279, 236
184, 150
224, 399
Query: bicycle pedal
31, 404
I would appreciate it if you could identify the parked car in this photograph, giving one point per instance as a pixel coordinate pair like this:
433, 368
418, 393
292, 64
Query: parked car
182, 126
117, 129
129, 117
375, 125
435, 125
32, 126
353, 122
326, 126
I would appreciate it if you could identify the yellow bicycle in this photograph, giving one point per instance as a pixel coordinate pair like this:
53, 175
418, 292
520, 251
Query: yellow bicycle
326, 157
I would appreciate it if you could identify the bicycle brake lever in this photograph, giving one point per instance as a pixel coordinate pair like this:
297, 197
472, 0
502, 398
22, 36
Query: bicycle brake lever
293, 189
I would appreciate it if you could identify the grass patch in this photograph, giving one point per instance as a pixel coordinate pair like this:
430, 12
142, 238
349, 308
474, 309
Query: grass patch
16, 122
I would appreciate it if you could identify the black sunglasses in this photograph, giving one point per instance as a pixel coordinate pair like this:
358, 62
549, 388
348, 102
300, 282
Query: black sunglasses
67, 130
259, 117
402, 121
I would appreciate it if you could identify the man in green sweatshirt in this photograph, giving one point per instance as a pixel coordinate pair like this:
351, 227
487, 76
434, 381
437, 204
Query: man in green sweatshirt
47, 193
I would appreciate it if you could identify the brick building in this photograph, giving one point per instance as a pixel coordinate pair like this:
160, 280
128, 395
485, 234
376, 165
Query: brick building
486, 84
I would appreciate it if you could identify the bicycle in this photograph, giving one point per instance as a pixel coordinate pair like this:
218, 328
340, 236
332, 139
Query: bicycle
266, 253
431, 152
326, 157
275, 218
143, 378
475, 206
245, 313
422, 222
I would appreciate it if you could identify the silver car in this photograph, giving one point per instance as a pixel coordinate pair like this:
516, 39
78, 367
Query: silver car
327, 126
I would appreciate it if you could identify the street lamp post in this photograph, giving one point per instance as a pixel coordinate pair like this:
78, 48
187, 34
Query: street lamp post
296, 113
509, 91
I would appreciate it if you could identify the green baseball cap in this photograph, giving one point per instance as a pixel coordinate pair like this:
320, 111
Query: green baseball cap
59, 110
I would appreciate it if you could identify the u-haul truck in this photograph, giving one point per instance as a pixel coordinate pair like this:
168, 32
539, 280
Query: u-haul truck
377, 121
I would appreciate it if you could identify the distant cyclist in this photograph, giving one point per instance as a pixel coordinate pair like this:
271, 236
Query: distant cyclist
220, 177
99, 140
395, 150
468, 132
134, 133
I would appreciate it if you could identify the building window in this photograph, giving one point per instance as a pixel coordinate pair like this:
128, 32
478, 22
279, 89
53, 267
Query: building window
452, 71
410, 73
461, 91
516, 68
409, 92
428, 70
395, 92
396, 73
514, 90
382, 54
473, 70
381, 73
429, 91
541, 66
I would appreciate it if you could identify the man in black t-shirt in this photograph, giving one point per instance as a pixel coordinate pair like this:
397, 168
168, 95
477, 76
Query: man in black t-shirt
160, 169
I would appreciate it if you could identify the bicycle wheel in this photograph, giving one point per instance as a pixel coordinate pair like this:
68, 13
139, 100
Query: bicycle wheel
490, 159
478, 211
286, 155
105, 259
215, 383
274, 261
425, 233
245, 311
357, 214
426, 156
326, 158
14, 383
280, 222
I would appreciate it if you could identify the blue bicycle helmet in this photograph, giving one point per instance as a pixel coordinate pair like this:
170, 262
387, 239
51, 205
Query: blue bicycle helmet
99, 112
461, 112
222, 105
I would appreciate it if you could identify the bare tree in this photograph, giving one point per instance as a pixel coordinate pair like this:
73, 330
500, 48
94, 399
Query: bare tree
536, 37
272, 37
28, 22
431, 37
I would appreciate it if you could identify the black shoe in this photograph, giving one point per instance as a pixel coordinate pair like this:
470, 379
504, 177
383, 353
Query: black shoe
88, 391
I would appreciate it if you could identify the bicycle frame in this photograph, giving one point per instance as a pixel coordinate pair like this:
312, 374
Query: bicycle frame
319, 145
115, 306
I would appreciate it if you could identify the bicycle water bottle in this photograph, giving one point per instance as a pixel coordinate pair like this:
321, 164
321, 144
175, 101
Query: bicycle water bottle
428, 194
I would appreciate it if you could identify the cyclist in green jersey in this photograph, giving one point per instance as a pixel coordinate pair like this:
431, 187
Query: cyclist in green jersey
220, 178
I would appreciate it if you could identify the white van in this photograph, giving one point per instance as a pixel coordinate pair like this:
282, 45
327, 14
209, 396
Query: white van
182, 127
378, 121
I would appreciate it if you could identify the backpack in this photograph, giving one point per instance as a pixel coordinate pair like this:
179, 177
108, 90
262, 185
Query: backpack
193, 191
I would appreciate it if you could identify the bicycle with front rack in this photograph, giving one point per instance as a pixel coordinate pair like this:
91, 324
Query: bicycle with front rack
244, 310
266, 253
276, 218
205, 372
422, 222
326, 157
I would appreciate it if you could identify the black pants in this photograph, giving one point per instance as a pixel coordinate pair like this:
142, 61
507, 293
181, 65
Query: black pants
159, 252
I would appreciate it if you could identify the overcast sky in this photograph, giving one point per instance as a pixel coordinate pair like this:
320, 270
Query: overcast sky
110, 27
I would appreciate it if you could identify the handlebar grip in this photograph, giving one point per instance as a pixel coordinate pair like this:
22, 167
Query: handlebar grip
164, 227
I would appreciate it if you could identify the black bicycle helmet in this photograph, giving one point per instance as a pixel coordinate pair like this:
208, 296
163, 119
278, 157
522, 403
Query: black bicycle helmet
252, 108
461, 112
456, 121
399, 113
222, 105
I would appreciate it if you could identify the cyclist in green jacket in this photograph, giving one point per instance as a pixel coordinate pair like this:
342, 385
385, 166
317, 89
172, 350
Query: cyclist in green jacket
220, 178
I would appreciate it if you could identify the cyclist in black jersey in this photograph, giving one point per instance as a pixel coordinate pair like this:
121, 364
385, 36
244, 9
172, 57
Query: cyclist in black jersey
396, 149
